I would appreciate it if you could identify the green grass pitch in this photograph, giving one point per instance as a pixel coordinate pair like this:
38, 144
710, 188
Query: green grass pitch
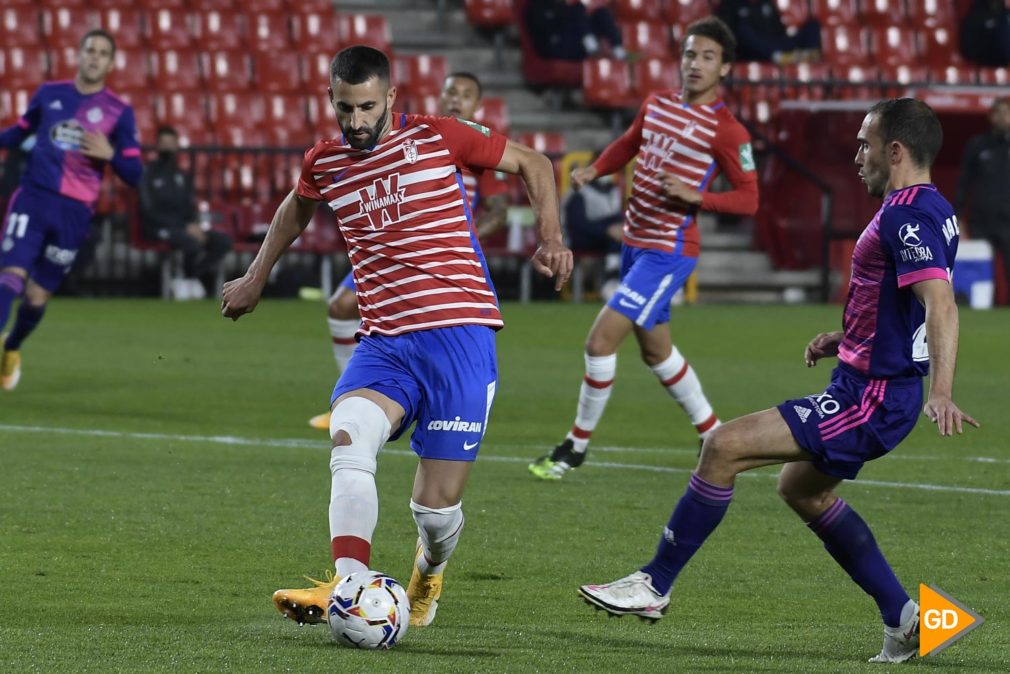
160, 481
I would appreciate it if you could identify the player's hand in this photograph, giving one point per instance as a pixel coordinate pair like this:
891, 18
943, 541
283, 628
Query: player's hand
678, 190
240, 297
583, 175
824, 345
553, 260
96, 146
942, 411
196, 231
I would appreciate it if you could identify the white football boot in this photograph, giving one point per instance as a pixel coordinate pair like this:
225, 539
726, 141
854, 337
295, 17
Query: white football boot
631, 595
900, 643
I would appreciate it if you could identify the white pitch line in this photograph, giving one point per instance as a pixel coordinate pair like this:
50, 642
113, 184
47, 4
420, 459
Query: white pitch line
312, 444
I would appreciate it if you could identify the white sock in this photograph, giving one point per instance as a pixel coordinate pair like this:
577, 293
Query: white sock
593, 397
439, 529
682, 383
344, 343
907, 611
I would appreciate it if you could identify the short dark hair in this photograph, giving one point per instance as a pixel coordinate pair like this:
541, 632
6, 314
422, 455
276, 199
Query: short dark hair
716, 29
98, 32
470, 76
166, 130
358, 64
911, 123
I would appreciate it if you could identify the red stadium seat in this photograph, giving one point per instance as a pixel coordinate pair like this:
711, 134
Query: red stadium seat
22, 67
317, 68
176, 70
859, 83
550, 143
423, 104
638, 10
834, 12
286, 123
219, 29
311, 6
19, 26
143, 114
227, 70
493, 113
930, 13
687, 11
168, 28
761, 73
793, 13
279, 72
55, 4
654, 74
321, 119
843, 45
372, 30
490, 13
420, 75
994, 77
217, 5
64, 26
954, 75
882, 13
606, 83
268, 32
649, 40
154, 5
182, 110
63, 62
14, 103
235, 109
805, 81
898, 78
315, 31
892, 45
130, 71
938, 48
271, 6
125, 24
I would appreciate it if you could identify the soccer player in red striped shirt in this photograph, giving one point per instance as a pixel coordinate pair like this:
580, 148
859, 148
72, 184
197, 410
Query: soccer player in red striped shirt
428, 310
485, 190
682, 140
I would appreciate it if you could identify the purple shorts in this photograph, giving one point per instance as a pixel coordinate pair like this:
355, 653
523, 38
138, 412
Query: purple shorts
42, 233
854, 421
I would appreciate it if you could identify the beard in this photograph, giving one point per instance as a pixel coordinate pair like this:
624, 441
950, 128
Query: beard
372, 132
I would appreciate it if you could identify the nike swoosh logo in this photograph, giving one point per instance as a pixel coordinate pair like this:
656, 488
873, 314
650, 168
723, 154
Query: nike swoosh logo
467, 446
628, 305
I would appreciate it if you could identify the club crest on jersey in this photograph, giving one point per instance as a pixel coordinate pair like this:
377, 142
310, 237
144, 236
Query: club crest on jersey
410, 151
380, 202
95, 115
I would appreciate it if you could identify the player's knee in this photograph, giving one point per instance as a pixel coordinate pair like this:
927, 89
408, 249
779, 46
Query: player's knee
719, 448
800, 499
359, 428
598, 346
436, 521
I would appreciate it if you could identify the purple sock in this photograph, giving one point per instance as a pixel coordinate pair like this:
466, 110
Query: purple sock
27, 320
849, 540
697, 514
11, 287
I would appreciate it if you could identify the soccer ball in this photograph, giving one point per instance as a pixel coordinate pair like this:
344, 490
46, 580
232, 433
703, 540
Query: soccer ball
368, 609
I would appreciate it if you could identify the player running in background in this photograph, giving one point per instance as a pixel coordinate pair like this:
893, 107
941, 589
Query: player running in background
80, 126
900, 320
682, 141
428, 310
461, 96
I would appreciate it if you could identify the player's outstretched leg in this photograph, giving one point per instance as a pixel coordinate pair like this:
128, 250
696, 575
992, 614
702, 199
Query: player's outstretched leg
594, 393
438, 531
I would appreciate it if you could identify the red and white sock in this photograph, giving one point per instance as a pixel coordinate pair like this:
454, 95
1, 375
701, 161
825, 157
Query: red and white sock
344, 343
679, 379
593, 396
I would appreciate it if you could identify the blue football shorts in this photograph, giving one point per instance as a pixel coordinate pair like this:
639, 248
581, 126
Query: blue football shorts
649, 279
444, 379
854, 420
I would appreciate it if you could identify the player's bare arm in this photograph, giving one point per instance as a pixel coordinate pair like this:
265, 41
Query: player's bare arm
824, 345
494, 218
552, 258
941, 341
241, 295
96, 146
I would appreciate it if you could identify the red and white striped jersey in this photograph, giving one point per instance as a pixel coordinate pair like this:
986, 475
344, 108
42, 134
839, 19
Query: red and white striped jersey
400, 207
694, 143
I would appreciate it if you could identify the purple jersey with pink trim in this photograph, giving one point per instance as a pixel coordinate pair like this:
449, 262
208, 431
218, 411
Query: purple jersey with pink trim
912, 238
58, 114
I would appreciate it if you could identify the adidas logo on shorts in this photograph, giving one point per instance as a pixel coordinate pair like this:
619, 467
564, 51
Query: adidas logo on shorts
802, 413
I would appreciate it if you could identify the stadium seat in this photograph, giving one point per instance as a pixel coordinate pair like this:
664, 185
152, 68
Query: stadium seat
19, 26
423, 104
897, 79
13, 103
793, 13
994, 77
286, 124
420, 75
269, 6
63, 62
227, 70
154, 5
143, 114
317, 67
687, 11
834, 12
315, 31
215, 29
311, 7
538, 71
130, 70
843, 45
176, 70
761, 73
953, 75
168, 28
882, 13
649, 75
606, 83
278, 72
22, 67
805, 81
638, 10
550, 143
859, 83
64, 26
645, 39
493, 113
126, 25
268, 32
489, 13
235, 110
892, 45
182, 109
216, 5
937, 48
369, 29
930, 13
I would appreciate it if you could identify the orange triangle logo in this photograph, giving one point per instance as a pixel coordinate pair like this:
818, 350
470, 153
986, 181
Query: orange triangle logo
943, 620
